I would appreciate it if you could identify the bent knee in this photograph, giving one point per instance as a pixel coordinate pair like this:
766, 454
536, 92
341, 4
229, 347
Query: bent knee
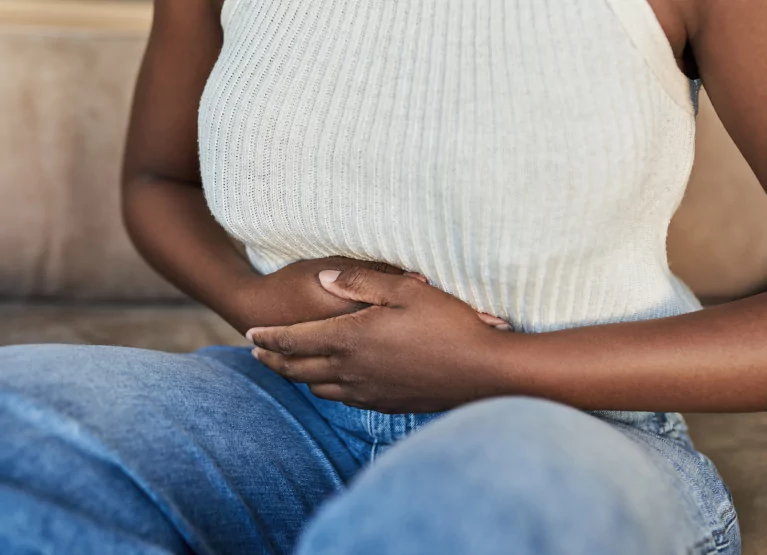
510, 471
523, 435
508, 428
514, 410
511, 455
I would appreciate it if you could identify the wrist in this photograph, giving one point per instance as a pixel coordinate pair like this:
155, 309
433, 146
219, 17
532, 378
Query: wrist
513, 362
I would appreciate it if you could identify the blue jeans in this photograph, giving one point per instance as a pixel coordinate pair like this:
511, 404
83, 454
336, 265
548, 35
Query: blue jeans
107, 450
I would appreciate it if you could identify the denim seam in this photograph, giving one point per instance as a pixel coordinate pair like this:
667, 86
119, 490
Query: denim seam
369, 428
369, 423
716, 536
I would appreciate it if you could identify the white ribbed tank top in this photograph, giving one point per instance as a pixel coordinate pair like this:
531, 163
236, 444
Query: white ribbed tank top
526, 156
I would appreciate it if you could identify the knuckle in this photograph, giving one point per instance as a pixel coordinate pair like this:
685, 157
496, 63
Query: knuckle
286, 344
335, 260
334, 366
407, 287
344, 344
286, 369
349, 378
355, 278
411, 285
338, 371
384, 268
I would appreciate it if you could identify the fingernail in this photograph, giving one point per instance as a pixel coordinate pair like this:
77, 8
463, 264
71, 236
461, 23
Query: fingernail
328, 276
255, 353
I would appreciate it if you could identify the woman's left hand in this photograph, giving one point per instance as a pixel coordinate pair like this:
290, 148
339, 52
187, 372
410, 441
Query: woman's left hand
415, 349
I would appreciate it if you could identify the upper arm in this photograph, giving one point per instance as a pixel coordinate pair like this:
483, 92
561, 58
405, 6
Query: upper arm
183, 47
729, 41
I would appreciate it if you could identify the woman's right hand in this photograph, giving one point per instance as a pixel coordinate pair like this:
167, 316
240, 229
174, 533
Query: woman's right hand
293, 294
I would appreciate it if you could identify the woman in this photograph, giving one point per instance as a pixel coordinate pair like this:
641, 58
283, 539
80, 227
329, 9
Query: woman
518, 160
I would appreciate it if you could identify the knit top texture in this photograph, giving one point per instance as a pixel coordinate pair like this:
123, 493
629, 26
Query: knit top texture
525, 156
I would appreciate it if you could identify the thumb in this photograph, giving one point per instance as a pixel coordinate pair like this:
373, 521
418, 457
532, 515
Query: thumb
363, 285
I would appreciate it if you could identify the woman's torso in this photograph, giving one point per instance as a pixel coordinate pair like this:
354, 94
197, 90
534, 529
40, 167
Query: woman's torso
526, 156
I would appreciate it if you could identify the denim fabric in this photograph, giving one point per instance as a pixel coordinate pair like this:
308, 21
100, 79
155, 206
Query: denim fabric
695, 86
112, 450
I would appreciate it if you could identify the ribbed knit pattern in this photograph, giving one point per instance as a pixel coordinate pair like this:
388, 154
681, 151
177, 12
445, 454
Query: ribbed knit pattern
524, 155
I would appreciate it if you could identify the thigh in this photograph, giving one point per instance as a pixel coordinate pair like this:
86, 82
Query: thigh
120, 450
526, 477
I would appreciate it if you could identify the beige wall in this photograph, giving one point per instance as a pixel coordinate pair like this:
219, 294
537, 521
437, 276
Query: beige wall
64, 99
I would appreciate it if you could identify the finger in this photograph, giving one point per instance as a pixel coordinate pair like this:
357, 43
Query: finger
330, 391
297, 369
494, 321
490, 320
366, 286
305, 339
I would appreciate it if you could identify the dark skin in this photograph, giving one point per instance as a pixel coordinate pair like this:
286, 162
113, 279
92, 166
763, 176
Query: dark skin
389, 342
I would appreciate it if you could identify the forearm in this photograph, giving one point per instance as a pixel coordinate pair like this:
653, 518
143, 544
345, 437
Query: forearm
170, 224
709, 361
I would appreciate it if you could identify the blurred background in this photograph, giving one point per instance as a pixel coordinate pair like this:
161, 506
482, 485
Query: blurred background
68, 273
